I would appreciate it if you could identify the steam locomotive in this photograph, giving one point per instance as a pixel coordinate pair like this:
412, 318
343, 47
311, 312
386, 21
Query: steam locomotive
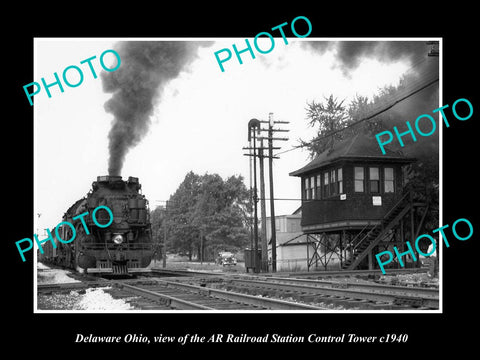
121, 248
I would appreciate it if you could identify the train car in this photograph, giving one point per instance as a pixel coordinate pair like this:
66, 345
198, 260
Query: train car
124, 247
49, 254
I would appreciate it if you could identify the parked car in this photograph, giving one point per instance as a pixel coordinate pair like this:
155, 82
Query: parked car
226, 258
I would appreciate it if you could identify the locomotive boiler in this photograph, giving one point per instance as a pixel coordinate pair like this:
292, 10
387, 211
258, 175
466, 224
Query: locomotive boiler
125, 246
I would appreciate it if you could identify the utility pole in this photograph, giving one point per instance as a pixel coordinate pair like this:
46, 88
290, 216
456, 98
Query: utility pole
253, 129
258, 151
201, 245
270, 130
272, 202
263, 211
164, 260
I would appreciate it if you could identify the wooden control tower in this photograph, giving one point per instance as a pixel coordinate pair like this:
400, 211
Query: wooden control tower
356, 203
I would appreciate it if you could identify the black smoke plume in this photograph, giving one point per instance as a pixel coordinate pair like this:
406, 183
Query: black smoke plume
423, 70
146, 67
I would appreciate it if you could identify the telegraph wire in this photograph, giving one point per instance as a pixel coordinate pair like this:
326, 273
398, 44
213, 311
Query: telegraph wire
416, 61
395, 102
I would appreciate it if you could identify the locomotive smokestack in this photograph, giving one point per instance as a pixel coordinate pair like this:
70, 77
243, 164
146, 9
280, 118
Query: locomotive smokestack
146, 68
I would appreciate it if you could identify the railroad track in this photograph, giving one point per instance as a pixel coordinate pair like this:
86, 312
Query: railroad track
181, 296
354, 273
174, 295
160, 272
297, 274
260, 292
347, 294
339, 292
368, 286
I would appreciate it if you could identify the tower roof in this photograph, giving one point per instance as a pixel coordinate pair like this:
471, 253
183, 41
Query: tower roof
357, 147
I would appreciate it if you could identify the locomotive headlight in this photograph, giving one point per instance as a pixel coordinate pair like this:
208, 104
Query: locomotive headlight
117, 239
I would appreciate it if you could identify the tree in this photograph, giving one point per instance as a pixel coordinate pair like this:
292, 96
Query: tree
180, 215
219, 213
207, 214
327, 117
426, 149
157, 218
333, 116
360, 108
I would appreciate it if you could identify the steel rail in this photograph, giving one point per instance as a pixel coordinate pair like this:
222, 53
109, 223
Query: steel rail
401, 290
70, 286
183, 272
168, 300
267, 303
326, 273
300, 289
345, 273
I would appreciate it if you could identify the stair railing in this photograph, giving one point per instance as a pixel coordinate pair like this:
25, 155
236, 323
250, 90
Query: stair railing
393, 208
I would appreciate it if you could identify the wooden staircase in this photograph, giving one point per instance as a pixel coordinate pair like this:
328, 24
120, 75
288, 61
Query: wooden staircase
370, 239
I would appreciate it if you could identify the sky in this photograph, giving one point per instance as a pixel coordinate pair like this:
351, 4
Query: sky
199, 124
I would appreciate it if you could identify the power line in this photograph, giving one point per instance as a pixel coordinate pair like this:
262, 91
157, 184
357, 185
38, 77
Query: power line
395, 102
415, 61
